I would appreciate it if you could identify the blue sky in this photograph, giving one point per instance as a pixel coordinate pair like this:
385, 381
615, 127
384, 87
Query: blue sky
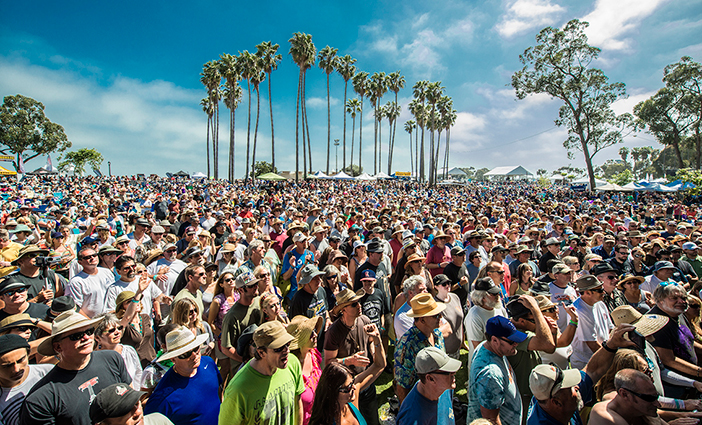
123, 78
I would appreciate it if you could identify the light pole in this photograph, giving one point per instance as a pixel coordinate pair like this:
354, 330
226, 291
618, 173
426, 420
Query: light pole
109, 168
336, 144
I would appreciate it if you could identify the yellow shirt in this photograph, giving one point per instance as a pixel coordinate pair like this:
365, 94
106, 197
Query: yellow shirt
9, 254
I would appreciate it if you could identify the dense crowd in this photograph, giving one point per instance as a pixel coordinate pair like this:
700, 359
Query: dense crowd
167, 301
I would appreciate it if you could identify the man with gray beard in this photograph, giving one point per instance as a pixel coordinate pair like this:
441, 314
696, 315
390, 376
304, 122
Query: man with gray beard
487, 303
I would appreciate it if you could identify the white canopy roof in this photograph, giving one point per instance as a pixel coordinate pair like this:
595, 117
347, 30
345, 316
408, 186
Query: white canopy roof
365, 176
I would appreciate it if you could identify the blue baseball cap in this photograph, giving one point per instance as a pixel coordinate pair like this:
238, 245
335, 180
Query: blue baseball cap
502, 327
368, 274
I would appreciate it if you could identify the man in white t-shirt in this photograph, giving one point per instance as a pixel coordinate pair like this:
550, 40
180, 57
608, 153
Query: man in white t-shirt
89, 287
487, 303
131, 280
562, 294
594, 322
166, 270
17, 376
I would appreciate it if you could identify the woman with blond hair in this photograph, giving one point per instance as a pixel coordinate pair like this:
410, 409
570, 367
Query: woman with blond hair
304, 347
185, 312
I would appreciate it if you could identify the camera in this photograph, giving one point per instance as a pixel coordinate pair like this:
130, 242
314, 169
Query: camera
47, 261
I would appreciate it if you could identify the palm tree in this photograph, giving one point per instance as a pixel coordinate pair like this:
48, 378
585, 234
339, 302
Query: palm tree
211, 78
346, 69
328, 62
409, 128
232, 98
269, 57
303, 53
246, 64
448, 120
434, 92
419, 91
353, 106
256, 79
379, 88
443, 107
392, 113
209, 110
360, 86
395, 82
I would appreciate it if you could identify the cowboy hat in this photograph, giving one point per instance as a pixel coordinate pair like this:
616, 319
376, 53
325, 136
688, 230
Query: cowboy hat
179, 341
346, 297
64, 323
424, 305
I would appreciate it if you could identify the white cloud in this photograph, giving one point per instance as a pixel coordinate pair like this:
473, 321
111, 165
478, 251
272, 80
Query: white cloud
321, 102
612, 22
524, 15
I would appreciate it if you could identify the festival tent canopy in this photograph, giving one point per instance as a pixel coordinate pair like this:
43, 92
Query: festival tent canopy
457, 172
181, 173
633, 186
5, 172
271, 177
365, 177
510, 172
319, 175
381, 175
611, 187
199, 175
342, 176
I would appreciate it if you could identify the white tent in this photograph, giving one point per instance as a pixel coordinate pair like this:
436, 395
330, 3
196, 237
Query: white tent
611, 187
366, 177
319, 175
199, 175
342, 176
509, 173
633, 186
381, 175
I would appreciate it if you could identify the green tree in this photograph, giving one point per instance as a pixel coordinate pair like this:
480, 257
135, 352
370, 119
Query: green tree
686, 76
559, 65
269, 59
328, 62
353, 170
689, 175
480, 173
25, 128
541, 172
263, 167
79, 159
622, 178
347, 70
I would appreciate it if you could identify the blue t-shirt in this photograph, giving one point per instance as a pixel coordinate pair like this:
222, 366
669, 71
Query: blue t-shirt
299, 262
182, 400
537, 415
419, 410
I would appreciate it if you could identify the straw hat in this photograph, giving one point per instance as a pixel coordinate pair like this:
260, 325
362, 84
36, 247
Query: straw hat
412, 258
15, 321
645, 324
179, 341
346, 297
544, 302
639, 280
153, 254
106, 249
29, 249
293, 227
228, 247
301, 328
65, 322
424, 305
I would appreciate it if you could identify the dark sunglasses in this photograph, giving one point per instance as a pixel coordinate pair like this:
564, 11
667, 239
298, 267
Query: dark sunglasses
510, 342
559, 379
347, 389
281, 349
187, 354
32, 255
695, 306
79, 335
23, 328
332, 276
122, 243
170, 250
264, 275
648, 398
113, 330
15, 291
445, 283
551, 310
497, 271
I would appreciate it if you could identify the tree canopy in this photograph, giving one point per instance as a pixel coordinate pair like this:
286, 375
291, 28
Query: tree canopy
559, 65
79, 159
25, 128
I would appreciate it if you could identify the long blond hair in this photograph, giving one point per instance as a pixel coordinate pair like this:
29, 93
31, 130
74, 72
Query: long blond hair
180, 313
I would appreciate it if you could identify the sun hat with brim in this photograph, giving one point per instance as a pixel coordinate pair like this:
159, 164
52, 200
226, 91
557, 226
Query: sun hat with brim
15, 321
293, 227
227, 247
586, 283
601, 268
441, 235
10, 283
271, 335
21, 228
301, 328
543, 380
179, 341
336, 254
423, 305
107, 249
346, 297
629, 278
65, 322
374, 246
523, 248
646, 324
153, 255
432, 359
309, 272
114, 401
121, 239
29, 249
193, 250
58, 306
122, 298
412, 258
544, 302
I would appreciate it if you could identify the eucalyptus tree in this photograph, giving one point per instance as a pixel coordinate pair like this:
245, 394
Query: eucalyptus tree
232, 97
419, 91
410, 126
360, 86
685, 76
328, 62
392, 113
346, 69
303, 54
269, 57
211, 79
353, 106
248, 69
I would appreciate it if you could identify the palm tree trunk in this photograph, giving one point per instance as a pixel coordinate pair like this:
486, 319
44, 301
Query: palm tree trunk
390, 137
208, 145
410, 152
297, 129
353, 133
380, 145
232, 136
360, 137
328, 124
215, 136
258, 113
375, 139
446, 153
306, 121
416, 150
248, 133
270, 104
343, 162
421, 159
436, 157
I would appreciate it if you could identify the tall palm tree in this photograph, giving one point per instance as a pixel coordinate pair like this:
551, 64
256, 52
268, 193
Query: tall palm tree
409, 128
346, 69
232, 97
448, 121
211, 78
353, 106
303, 54
395, 82
434, 92
443, 107
419, 91
328, 62
256, 79
392, 113
360, 86
269, 57
246, 64
379, 88
208, 108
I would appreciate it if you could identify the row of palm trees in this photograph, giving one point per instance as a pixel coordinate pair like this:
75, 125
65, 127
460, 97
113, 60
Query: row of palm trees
430, 108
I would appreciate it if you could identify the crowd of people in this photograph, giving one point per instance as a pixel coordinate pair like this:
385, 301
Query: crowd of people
166, 301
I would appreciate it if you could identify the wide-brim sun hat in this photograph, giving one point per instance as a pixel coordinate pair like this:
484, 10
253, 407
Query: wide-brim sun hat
63, 323
301, 327
646, 324
179, 341
423, 305
29, 250
346, 297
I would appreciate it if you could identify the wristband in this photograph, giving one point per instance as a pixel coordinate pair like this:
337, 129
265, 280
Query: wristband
574, 323
343, 362
611, 350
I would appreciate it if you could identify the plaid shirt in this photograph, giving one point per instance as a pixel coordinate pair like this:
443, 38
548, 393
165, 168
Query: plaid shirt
406, 351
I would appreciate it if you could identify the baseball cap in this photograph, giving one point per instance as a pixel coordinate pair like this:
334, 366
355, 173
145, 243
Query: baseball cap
689, 246
486, 284
457, 250
502, 327
113, 402
271, 335
432, 359
368, 274
546, 380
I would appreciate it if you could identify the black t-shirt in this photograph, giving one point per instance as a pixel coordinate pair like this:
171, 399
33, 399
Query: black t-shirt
310, 305
36, 284
675, 336
373, 306
64, 396
451, 271
34, 310
541, 284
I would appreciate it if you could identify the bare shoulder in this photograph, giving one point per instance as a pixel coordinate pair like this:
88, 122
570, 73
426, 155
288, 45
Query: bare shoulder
601, 414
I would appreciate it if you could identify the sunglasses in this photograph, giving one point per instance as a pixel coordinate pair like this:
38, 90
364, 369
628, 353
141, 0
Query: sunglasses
23, 328
171, 250
332, 276
124, 243
695, 306
192, 311
648, 398
551, 310
612, 277
133, 266
508, 341
255, 285
113, 330
187, 354
497, 271
446, 283
264, 275
229, 279
200, 274
32, 255
281, 349
79, 335
347, 389
15, 291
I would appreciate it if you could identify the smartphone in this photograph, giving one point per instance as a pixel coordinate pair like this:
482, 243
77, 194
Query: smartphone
638, 339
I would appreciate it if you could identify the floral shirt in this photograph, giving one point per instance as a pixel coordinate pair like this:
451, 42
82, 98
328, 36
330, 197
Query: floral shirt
406, 351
